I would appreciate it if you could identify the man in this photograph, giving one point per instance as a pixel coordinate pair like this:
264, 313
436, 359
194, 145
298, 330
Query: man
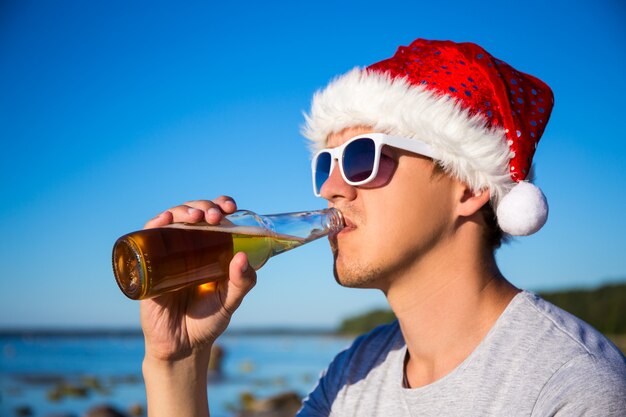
425, 154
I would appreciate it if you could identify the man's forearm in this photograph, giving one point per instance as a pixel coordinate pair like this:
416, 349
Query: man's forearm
176, 388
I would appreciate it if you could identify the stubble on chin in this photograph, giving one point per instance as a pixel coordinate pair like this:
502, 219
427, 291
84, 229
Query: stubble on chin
355, 275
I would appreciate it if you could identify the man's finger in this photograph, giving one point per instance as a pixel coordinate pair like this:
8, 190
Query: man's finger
159, 220
242, 278
227, 204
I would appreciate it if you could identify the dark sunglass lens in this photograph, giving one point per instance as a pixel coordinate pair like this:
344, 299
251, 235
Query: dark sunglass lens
322, 170
358, 159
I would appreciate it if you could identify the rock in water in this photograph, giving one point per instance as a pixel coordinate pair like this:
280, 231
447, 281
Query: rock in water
104, 411
23, 411
136, 410
285, 404
216, 359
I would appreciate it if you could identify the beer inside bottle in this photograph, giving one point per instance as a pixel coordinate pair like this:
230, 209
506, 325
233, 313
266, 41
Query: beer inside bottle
151, 262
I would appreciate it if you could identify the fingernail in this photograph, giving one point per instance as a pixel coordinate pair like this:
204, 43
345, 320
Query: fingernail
244, 268
213, 212
191, 210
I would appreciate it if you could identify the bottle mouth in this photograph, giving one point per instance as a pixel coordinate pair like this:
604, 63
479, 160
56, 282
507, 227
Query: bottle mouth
335, 221
129, 270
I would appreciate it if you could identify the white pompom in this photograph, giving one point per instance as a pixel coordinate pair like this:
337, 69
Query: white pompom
523, 211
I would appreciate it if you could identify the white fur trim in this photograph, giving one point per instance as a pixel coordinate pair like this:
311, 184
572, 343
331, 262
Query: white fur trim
523, 211
470, 151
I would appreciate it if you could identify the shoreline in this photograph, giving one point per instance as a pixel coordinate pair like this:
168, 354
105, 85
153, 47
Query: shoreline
137, 333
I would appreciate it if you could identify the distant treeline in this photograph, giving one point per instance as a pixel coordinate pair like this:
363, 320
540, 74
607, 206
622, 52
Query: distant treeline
604, 308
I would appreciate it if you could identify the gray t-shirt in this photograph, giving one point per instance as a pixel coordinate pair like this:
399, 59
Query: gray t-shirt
537, 360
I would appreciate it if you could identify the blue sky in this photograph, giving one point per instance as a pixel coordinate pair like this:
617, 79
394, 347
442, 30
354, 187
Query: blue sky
113, 111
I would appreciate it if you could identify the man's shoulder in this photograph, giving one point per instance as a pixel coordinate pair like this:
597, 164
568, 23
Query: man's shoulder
553, 331
558, 355
539, 356
589, 384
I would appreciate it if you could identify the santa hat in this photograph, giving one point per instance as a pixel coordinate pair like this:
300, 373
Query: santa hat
482, 117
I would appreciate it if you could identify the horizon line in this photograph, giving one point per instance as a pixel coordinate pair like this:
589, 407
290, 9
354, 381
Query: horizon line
132, 331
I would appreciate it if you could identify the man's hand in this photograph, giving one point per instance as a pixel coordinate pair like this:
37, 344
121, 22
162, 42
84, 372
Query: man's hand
180, 327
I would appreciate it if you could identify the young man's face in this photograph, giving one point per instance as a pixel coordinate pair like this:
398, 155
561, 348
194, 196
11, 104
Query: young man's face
390, 227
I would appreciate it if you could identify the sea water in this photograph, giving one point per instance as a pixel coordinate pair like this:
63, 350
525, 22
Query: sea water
33, 367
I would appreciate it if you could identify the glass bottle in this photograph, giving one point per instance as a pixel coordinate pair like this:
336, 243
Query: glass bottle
150, 262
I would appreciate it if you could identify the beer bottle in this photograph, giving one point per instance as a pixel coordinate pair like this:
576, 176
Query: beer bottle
150, 262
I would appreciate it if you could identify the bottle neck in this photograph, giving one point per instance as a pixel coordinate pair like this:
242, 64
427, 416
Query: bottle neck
296, 229
305, 225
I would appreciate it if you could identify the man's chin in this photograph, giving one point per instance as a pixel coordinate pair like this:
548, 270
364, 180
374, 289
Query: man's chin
351, 279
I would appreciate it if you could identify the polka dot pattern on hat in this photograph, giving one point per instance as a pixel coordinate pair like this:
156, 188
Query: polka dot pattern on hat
507, 98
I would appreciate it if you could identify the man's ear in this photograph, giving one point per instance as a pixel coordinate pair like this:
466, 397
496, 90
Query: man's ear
471, 201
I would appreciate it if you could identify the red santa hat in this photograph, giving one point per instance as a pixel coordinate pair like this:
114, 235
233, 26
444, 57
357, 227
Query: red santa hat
483, 118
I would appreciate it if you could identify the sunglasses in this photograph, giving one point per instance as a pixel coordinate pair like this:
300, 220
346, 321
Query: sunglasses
361, 158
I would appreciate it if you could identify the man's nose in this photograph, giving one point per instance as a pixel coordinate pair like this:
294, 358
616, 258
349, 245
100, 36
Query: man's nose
336, 188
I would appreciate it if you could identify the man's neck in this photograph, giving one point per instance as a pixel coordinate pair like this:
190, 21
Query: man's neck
446, 304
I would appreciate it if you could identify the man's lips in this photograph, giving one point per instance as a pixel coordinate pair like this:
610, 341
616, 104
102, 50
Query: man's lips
349, 225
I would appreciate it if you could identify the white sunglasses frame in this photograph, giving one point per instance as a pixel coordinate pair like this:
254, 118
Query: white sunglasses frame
379, 139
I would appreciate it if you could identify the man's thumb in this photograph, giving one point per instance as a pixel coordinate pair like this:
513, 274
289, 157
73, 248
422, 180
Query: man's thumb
242, 277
